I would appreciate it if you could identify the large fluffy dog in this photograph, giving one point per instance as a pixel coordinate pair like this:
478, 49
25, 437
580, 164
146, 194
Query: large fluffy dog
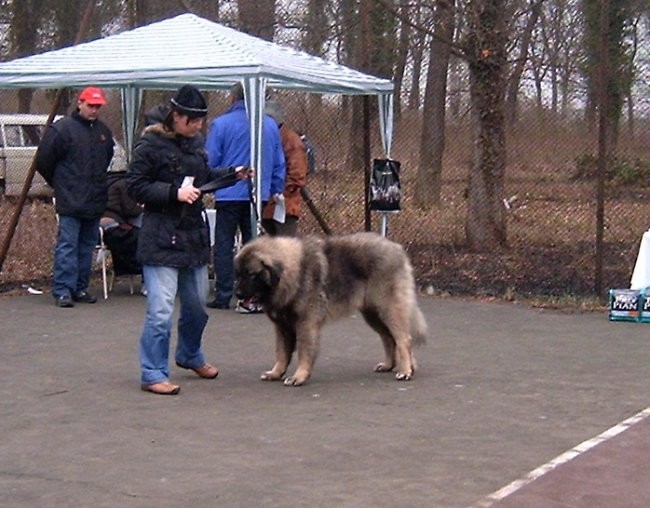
302, 283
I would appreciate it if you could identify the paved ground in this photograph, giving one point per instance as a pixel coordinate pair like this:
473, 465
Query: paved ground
501, 390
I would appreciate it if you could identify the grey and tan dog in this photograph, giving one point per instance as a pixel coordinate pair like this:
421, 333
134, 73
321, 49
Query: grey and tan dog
303, 283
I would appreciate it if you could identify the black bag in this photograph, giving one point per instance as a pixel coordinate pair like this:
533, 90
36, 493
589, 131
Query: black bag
385, 190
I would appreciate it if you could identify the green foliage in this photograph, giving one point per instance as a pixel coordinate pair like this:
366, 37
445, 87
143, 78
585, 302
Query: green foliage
619, 170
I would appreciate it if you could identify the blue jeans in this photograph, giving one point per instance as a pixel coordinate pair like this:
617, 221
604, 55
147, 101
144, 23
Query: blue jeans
73, 254
163, 283
230, 215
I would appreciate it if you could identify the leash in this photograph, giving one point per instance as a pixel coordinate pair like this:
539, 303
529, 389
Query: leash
251, 196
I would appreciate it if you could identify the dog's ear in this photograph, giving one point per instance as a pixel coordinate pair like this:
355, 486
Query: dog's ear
271, 274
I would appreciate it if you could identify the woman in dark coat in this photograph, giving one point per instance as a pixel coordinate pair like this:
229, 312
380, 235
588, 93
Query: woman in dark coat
168, 168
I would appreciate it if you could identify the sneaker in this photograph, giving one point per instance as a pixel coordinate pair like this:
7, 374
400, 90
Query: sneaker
248, 307
83, 297
64, 301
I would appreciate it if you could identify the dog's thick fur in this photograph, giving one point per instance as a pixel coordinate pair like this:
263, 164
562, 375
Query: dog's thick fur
302, 283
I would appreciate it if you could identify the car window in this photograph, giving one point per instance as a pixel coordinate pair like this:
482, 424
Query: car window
13, 135
23, 135
32, 134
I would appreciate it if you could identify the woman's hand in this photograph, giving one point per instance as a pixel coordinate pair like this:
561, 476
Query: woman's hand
188, 194
244, 172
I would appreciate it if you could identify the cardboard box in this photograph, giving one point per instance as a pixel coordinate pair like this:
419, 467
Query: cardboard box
644, 306
625, 305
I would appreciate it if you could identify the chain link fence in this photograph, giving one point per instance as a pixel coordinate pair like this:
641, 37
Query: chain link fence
550, 201
549, 198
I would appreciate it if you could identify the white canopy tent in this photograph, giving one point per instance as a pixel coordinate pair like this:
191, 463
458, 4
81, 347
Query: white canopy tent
188, 49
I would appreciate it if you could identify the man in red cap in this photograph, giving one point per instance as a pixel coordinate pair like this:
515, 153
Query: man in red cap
73, 157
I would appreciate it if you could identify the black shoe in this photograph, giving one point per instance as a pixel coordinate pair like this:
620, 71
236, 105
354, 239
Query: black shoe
217, 305
64, 301
83, 297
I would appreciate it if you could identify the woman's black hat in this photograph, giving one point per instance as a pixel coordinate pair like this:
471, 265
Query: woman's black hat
189, 101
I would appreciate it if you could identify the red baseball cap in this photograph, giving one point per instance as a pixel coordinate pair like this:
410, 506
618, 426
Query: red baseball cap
92, 95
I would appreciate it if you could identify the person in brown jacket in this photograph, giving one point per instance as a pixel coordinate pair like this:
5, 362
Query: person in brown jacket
120, 224
295, 157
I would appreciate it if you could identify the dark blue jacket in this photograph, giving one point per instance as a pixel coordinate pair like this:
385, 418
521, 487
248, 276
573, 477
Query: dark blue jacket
73, 157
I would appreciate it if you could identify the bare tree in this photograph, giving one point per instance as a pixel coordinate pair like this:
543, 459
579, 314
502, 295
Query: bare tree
401, 56
432, 141
419, 40
257, 17
620, 73
315, 33
25, 21
556, 38
534, 10
485, 46
375, 55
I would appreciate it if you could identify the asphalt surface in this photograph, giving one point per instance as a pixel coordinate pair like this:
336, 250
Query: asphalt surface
500, 390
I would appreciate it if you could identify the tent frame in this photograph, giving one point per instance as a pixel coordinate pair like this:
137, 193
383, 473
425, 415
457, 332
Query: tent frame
258, 65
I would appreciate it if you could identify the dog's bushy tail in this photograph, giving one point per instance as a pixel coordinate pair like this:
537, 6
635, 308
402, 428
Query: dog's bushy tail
419, 328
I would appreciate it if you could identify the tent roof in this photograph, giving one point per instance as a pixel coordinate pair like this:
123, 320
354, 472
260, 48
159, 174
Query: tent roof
185, 49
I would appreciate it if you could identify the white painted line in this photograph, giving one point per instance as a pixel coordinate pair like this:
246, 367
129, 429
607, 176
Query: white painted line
561, 459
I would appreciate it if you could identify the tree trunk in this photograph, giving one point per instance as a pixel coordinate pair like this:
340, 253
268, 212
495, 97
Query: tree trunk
520, 63
401, 58
149, 12
315, 36
432, 141
485, 225
361, 59
257, 18
418, 50
375, 55
24, 35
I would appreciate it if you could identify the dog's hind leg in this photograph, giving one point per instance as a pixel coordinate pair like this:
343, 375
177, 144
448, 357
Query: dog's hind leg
393, 326
403, 354
375, 322
285, 343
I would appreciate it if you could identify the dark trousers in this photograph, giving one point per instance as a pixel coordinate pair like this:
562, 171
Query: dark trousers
274, 228
123, 244
230, 216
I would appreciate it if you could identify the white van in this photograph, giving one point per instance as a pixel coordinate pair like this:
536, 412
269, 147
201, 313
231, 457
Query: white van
19, 137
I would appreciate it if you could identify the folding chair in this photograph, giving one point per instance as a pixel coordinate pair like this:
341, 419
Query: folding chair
102, 252
102, 257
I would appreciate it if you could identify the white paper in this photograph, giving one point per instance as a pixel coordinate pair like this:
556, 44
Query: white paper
187, 181
280, 212
641, 273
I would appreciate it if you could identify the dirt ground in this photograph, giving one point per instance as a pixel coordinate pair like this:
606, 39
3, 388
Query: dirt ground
500, 389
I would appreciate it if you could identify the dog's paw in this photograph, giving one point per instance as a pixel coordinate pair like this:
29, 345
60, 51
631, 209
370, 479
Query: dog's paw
294, 381
404, 376
269, 375
382, 367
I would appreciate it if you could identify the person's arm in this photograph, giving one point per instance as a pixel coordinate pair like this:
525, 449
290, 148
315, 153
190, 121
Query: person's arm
51, 150
296, 162
129, 207
279, 171
110, 147
141, 180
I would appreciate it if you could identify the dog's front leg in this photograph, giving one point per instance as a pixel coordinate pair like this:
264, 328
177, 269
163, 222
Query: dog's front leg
284, 346
307, 345
389, 354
